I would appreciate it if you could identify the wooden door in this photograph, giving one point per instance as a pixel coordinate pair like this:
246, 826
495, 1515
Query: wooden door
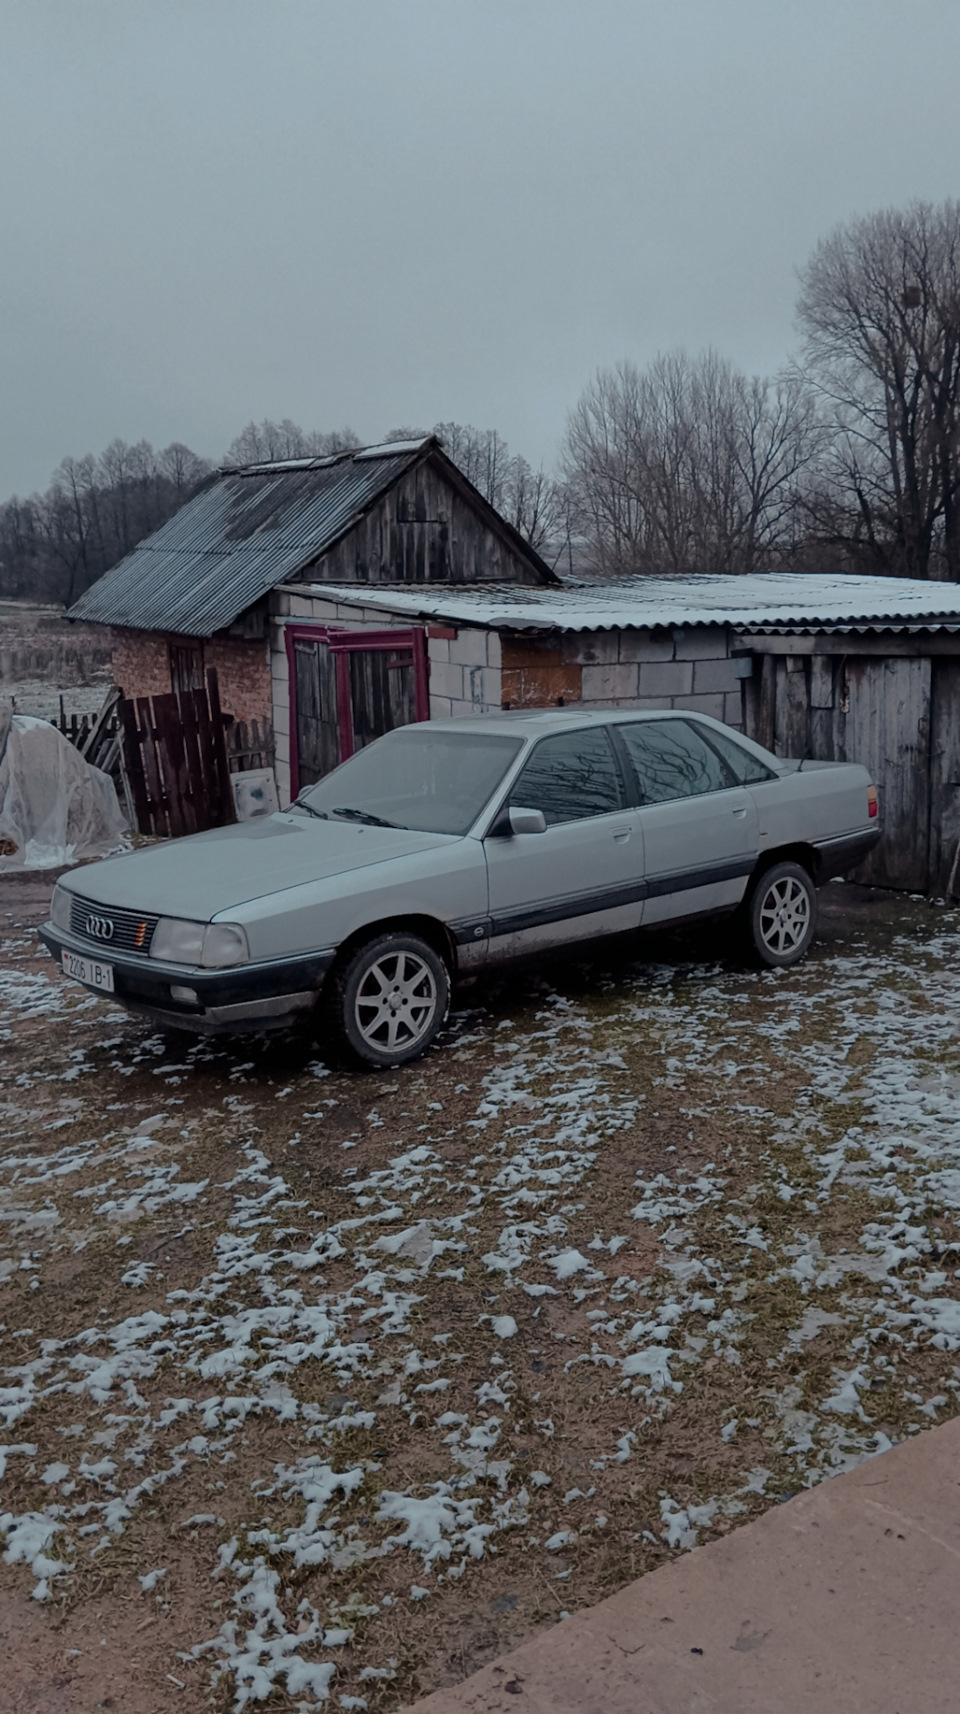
382, 692
315, 702
887, 704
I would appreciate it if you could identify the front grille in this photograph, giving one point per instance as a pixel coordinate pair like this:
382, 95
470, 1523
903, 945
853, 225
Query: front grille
108, 928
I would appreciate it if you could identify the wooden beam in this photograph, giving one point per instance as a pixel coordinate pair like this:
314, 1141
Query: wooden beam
852, 643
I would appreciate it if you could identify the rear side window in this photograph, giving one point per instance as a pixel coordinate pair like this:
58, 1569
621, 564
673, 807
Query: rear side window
747, 770
672, 760
570, 777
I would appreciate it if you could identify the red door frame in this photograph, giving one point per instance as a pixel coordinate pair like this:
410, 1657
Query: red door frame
342, 644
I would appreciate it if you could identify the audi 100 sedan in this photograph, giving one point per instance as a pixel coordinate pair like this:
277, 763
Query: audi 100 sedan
455, 846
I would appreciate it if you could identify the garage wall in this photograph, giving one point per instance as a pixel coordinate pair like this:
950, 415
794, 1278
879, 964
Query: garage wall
624, 669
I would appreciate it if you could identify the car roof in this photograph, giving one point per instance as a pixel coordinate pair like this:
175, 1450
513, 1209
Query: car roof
531, 722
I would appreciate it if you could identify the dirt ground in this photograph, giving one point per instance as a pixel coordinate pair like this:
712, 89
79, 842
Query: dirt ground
323, 1389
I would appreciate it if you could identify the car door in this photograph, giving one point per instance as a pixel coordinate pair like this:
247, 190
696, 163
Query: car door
698, 825
583, 876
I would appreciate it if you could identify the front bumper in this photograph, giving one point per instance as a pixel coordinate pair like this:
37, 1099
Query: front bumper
838, 856
248, 997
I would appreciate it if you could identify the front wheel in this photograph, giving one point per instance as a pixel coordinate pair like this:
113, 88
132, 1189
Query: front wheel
782, 914
391, 1000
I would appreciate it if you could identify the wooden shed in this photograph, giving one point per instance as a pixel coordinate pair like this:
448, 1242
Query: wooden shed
195, 595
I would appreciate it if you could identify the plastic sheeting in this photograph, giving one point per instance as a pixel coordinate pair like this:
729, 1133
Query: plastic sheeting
54, 807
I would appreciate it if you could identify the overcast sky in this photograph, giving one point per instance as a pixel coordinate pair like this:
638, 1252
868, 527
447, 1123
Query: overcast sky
393, 212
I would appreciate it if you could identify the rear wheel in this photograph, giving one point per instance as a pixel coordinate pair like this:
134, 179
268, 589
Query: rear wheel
391, 999
782, 914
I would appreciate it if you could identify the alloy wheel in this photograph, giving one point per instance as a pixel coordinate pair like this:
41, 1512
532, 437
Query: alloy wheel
784, 916
396, 1001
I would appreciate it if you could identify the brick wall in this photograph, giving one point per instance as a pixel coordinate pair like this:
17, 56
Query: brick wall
243, 674
141, 667
141, 663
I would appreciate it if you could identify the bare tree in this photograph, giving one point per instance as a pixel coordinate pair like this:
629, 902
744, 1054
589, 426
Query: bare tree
687, 465
880, 312
269, 443
94, 511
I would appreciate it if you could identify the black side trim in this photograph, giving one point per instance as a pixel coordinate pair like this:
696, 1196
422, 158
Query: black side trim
614, 898
836, 856
467, 933
575, 905
708, 875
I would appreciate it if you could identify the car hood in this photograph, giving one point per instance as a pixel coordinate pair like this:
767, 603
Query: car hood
207, 874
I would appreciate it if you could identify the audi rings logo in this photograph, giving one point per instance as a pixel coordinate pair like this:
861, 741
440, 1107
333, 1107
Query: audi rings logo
100, 928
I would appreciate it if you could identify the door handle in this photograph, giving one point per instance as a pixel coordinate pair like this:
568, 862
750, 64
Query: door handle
621, 835
740, 813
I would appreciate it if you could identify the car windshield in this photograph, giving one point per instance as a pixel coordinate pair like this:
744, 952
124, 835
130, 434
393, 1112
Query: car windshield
416, 777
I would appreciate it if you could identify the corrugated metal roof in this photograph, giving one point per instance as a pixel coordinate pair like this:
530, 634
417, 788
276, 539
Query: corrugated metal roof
774, 601
238, 538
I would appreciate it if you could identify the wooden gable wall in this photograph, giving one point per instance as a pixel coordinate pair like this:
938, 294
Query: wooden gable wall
422, 531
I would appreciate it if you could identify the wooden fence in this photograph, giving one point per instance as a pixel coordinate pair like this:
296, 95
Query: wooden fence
250, 745
175, 760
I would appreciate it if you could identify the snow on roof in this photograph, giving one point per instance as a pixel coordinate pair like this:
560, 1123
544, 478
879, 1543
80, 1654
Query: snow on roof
757, 602
394, 448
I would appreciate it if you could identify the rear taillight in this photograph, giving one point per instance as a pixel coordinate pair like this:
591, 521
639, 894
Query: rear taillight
873, 802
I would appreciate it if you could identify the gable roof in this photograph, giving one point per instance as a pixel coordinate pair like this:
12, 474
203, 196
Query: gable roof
256, 526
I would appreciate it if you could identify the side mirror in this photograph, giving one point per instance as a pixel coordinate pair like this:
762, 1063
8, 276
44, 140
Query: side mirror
513, 820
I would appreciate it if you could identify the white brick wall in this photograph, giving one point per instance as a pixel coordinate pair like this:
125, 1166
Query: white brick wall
609, 683
666, 678
465, 673
714, 675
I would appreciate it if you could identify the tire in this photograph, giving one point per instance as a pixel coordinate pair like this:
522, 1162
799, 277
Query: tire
782, 915
390, 1000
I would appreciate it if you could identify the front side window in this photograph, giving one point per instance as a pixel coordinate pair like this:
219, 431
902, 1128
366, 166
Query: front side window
570, 777
672, 760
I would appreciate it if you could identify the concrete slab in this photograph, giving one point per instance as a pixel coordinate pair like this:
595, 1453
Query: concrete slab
845, 1599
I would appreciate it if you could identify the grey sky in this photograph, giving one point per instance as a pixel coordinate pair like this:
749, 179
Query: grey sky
384, 212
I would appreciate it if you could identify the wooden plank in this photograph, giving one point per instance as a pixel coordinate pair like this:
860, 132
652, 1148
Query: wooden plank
209, 790
822, 670
159, 815
227, 814
767, 706
132, 765
944, 854
887, 729
884, 644
821, 743
103, 723
172, 762
791, 730
193, 713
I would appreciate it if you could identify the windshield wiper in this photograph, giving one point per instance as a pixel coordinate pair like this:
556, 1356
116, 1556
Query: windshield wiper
301, 803
350, 814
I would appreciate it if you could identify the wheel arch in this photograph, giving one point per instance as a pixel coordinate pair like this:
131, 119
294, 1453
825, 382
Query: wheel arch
435, 933
799, 852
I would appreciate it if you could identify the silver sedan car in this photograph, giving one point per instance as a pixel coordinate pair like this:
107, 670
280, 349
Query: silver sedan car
451, 847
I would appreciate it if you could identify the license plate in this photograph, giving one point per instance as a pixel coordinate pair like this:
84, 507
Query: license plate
88, 970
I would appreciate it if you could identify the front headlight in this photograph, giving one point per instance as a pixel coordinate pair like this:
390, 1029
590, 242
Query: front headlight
214, 946
60, 908
224, 943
